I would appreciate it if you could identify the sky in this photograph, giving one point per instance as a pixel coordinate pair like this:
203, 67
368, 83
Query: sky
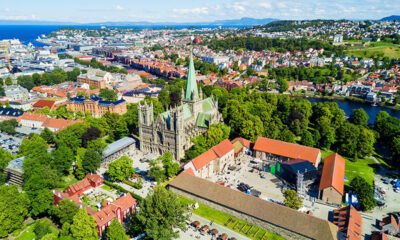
86, 11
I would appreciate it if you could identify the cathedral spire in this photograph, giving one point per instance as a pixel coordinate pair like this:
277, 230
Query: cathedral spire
192, 92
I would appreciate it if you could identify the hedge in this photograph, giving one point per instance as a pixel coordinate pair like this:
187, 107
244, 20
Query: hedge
121, 189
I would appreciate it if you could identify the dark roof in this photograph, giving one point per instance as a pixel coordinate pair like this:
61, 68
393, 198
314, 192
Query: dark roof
275, 214
11, 112
301, 166
81, 100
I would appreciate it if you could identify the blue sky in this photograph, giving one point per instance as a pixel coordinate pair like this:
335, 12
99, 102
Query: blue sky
193, 10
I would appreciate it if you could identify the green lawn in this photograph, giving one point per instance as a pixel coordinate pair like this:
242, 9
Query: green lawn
27, 232
376, 49
360, 167
233, 223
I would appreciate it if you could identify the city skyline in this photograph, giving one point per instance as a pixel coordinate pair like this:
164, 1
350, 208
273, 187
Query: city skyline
194, 11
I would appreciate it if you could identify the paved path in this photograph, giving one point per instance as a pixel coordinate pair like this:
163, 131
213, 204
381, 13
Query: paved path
192, 234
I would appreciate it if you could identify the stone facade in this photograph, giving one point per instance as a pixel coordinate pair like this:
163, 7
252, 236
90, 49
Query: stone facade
330, 195
173, 130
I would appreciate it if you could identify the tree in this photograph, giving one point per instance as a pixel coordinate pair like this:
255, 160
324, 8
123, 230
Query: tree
91, 134
8, 81
64, 212
108, 95
156, 172
83, 226
71, 136
347, 138
366, 142
365, 193
91, 161
5, 157
13, 209
170, 165
48, 136
41, 201
283, 85
307, 139
161, 213
121, 169
359, 117
292, 200
42, 228
63, 158
8, 126
116, 231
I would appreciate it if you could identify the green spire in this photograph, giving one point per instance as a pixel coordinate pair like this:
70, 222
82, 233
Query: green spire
192, 92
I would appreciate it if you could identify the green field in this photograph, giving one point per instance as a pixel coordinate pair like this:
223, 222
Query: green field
27, 232
233, 223
364, 168
379, 49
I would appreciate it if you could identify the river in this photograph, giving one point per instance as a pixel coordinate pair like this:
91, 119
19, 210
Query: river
349, 106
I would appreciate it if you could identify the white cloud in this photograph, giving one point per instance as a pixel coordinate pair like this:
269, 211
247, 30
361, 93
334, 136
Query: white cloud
118, 8
265, 5
195, 11
7, 10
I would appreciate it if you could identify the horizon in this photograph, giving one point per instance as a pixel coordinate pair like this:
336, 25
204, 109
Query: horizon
194, 11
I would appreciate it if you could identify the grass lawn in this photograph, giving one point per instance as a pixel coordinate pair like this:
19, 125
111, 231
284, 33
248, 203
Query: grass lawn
360, 167
27, 232
387, 49
233, 223
107, 188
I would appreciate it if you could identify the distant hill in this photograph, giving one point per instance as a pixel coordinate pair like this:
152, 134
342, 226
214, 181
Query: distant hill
391, 18
246, 22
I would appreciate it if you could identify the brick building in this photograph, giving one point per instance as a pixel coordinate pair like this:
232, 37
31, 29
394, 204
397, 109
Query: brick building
95, 78
349, 222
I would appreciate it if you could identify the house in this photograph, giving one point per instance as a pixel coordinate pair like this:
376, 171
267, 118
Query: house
217, 159
50, 104
41, 121
15, 171
349, 222
241, 146
389, 225
16, 93
120, 209
278, 151
90, 181
331, 187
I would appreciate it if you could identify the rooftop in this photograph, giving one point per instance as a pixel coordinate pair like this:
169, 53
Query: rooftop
118, 145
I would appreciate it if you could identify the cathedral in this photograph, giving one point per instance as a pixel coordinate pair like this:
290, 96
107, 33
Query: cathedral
173, 130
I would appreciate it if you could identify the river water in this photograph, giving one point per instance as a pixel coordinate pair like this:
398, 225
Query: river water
349, 106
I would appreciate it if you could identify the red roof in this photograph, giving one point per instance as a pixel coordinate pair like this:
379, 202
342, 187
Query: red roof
59, 123
349, 221
285, 149
189, 171
222, 148
107, 213
333, 173
44, 103
33, 117
203, 159
78, 186
215, 152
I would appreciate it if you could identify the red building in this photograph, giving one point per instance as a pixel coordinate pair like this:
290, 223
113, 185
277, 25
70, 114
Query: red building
119, 209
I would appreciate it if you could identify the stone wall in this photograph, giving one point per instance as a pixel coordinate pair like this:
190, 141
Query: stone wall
250, 219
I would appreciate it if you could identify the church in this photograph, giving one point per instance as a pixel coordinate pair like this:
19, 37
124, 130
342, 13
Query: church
173, 130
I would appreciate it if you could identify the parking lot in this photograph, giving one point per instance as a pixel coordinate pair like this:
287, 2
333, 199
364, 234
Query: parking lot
11, 143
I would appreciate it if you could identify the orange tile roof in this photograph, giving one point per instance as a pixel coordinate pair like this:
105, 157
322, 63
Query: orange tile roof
349, 221
333, 173
59, 123
223, 148
203, 159
243, 141
44, 103
285, 149
33, 117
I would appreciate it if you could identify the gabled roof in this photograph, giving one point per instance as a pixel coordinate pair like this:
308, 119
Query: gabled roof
204, 158
246, 143
275, 214
333, 173
285, 149
223, 148
349, 221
